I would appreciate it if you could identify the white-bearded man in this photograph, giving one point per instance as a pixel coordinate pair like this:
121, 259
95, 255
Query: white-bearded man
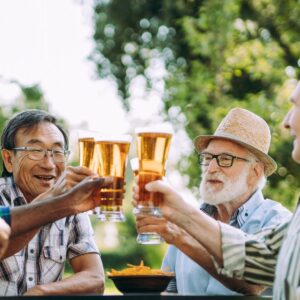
235, 164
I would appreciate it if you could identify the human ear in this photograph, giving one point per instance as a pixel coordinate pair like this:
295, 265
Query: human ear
7, 159
257, 170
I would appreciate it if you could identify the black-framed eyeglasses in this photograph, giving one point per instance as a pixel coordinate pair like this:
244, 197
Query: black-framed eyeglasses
58, 155
223, 159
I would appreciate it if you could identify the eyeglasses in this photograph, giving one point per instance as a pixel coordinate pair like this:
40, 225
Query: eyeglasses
58, 155
223, 159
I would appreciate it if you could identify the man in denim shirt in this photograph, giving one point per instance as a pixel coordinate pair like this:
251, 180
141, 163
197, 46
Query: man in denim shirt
235, 165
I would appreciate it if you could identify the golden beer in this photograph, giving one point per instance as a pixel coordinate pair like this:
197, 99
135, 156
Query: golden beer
86, 152
153, 149
110, 160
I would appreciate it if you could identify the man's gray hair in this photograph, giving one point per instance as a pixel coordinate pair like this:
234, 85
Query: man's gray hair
262, 180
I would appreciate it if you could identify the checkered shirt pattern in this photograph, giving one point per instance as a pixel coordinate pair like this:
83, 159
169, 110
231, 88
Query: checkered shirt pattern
43, 259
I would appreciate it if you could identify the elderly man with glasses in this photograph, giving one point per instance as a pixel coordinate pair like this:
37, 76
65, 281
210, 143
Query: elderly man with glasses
234, 163
34, 152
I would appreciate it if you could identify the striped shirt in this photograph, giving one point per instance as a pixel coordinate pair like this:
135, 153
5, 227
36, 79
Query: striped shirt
43, 260
253, 215
271, 254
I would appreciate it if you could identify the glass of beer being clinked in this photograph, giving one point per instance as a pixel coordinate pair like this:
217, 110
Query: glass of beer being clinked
86, 151
86, 144
110, 159
153, 144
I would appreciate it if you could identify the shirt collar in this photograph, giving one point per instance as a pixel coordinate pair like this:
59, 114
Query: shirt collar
242, 214
16, 196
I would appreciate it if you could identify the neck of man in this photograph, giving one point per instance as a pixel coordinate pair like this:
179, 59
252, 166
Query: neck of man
224, 211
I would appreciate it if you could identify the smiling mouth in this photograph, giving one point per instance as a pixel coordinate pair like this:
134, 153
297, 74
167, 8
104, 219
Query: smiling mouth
44, 177
213, 181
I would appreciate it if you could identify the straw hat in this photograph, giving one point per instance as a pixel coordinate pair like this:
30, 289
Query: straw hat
247, 129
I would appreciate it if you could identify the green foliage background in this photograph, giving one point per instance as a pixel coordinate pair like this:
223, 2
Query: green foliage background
218, 55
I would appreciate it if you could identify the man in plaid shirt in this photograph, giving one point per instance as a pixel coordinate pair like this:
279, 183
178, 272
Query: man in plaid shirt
34, 152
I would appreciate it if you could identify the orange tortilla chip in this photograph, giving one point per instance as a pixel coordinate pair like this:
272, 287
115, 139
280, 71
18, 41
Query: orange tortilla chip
141, 269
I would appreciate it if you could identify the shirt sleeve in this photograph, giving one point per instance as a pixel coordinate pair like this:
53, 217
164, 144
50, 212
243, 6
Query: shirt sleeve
251, 257
5, 214
81, 239
168, 265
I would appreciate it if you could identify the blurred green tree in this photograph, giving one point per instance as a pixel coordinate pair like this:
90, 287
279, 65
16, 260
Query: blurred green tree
217, 55
31, 97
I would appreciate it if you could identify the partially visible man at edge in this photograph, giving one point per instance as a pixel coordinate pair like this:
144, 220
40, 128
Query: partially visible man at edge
261, 258
235, 164
34, 152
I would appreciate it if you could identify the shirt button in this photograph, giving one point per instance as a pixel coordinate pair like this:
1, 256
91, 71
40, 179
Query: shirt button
60, 257
30, 278
31, 251
246, 214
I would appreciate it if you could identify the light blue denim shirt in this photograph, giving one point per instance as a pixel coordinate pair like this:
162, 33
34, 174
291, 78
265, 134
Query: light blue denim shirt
252, 216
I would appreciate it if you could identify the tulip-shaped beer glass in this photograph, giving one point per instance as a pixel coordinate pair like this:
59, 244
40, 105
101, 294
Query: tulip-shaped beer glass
152, 148
110, 159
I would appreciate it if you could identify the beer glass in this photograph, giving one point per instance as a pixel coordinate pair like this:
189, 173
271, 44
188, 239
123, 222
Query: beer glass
110, 159
86, 151
86, 143
153, 146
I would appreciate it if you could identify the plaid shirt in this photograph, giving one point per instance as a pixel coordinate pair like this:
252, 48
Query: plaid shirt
42, 261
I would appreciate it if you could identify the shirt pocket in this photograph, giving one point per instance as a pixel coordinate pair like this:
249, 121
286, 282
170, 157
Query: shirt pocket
53, 263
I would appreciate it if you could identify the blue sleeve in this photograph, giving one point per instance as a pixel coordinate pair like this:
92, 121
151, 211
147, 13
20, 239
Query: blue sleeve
5, 214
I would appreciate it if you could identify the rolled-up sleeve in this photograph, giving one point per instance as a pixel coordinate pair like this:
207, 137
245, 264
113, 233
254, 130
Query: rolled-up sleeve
251, 257
81, 239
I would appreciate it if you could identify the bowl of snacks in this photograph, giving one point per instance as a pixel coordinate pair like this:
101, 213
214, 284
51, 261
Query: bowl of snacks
140, 279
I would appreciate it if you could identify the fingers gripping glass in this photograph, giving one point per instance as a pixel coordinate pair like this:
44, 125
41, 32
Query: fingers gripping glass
223, 159
58, 155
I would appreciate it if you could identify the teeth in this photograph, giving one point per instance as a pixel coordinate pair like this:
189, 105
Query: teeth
45, 177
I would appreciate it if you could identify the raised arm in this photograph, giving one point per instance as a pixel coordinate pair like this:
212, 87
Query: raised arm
44, 211
172, 234
226, 244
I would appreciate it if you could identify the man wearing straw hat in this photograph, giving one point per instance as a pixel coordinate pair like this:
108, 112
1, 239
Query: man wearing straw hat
271, 255
235, 164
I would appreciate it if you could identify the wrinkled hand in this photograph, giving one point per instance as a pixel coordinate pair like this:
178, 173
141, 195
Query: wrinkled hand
69, 178
4, 236
85, 195
170, 232
173, 206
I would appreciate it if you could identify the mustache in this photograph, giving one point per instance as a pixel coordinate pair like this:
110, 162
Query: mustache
220, 177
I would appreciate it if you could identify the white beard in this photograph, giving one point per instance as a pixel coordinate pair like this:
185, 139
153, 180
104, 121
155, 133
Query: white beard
231, 191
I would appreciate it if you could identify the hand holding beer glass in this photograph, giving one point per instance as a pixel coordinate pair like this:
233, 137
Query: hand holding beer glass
152, 148
110, 159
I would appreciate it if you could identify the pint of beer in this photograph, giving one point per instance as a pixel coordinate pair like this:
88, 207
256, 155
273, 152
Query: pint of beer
152, 148
110, 160
86, 151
